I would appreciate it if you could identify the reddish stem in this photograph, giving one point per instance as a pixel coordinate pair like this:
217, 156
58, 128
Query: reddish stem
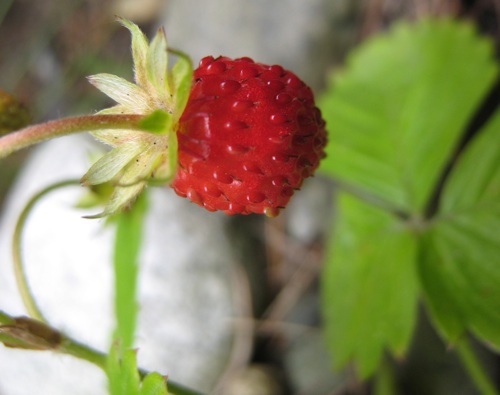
37, 133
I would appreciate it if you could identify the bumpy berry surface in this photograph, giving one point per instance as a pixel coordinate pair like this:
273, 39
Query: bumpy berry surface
248, 137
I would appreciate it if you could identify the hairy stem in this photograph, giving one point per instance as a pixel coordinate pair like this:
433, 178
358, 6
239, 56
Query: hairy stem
37, 133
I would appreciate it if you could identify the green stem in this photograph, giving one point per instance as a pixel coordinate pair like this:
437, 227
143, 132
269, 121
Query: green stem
82, 351
474, 368
5, 319
69, 346
17, 258
385, 383
37, 133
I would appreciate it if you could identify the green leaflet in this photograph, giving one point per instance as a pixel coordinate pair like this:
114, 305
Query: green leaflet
397, 111
369, 285
460, 265
395, 116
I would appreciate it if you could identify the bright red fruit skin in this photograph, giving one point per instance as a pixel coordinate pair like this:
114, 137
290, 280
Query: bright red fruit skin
249, 135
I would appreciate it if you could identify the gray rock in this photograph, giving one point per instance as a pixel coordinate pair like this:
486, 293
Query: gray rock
187, 282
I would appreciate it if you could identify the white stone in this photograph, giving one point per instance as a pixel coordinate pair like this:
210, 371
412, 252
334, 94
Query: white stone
186, 287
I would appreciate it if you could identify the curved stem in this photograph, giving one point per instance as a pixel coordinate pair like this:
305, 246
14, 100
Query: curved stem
17, 258
37, 133
474, 368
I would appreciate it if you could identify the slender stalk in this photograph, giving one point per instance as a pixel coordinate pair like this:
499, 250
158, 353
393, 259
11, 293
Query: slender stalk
474, 368
37, 133
17, 258
5, 319
82, 351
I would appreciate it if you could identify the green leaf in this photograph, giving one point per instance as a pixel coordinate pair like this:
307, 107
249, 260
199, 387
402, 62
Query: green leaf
126, 254
369, 286
154, 384
396, 112
460, 265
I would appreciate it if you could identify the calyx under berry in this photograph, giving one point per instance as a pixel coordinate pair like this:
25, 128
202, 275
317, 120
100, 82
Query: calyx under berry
236, 136
159, 92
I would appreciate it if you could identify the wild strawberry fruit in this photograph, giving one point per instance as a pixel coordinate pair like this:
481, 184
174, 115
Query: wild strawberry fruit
235, 135
248, 136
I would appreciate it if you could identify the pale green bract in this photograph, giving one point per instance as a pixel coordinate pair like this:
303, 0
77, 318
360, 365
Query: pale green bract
139, 157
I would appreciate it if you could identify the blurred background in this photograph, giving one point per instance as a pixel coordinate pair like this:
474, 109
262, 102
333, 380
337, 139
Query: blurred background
47, 48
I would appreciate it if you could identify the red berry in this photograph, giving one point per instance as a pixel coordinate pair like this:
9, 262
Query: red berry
249, 135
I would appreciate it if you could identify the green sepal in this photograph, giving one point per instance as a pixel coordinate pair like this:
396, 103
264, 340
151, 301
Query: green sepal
121, 369
158, 122
130, 95
181, 77
157, 66
154, 384
110, 164
139, 51
124, 377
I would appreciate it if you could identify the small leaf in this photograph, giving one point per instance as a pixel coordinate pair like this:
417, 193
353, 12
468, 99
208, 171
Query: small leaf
157, 65
369, 286
398, 109
154, 384
181, 79
139, 51
131, 96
